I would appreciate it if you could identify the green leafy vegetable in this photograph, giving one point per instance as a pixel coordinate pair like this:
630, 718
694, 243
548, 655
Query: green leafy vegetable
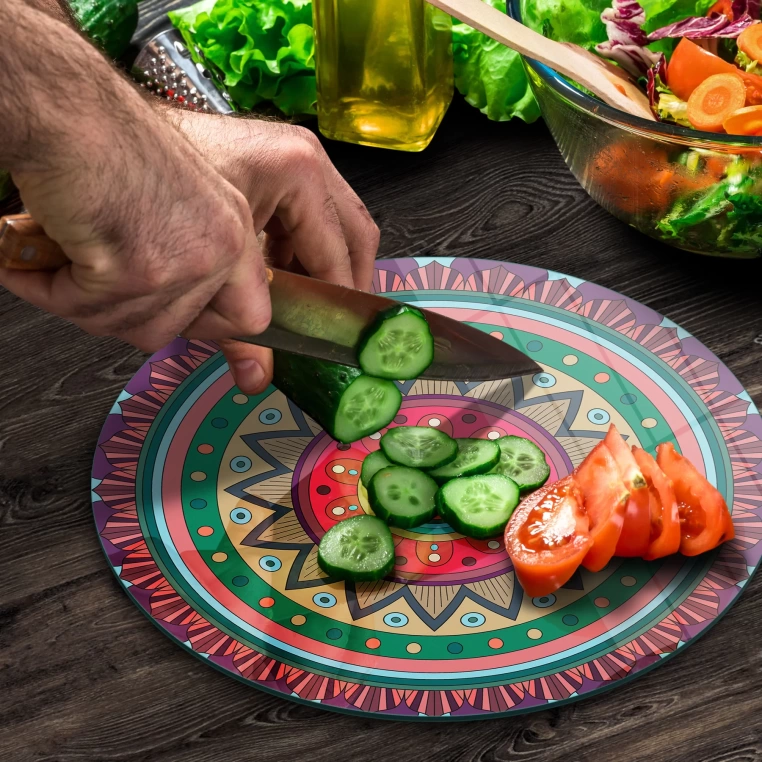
728, 212
491, 76
747, 64
262, 50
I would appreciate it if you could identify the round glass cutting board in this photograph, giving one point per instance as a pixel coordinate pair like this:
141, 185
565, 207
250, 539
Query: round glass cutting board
210, 504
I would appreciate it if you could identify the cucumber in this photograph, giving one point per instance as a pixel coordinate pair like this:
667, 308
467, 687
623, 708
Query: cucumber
110, 24
418, 447
403, 497
523, 461
372, 464
360, 549
348, 404
478, 506
398, 345
475, 456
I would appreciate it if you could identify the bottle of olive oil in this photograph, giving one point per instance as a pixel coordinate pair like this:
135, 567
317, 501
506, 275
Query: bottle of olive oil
384, 71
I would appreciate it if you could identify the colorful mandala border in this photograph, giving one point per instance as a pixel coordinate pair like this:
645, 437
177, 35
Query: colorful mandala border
116, 462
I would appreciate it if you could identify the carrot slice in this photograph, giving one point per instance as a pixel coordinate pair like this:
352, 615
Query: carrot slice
690, 65
745, 121
750, 41
716, 98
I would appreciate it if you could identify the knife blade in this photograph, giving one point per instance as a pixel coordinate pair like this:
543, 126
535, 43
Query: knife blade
314, 318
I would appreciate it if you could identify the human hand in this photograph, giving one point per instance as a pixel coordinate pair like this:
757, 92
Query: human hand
314, 223
160, 242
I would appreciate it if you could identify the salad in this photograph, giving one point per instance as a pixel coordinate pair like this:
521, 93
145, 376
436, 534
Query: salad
697, 60
710, 79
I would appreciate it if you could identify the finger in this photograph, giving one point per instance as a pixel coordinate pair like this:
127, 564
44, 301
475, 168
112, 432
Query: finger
360, 231
306, 212
251, 366
277, 246
241, 307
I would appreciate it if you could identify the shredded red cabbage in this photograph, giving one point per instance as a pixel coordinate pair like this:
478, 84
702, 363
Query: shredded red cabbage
655, 76
696, 27
627, 40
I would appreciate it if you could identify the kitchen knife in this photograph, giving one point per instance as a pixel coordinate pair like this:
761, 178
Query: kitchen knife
314, 318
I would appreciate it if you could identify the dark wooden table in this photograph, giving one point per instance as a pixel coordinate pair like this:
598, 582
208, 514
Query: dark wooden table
84, 676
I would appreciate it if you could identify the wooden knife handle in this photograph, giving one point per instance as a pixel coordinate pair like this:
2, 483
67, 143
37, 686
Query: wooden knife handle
25, 246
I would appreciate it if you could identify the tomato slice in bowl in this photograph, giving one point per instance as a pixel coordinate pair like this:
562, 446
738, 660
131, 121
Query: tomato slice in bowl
704, 516
605, 498
665, 519
548, 536
636, 532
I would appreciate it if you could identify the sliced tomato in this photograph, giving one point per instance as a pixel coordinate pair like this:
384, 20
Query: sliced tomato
605, 501
636, 532
665, 519
548, 536
703, 512
691, 64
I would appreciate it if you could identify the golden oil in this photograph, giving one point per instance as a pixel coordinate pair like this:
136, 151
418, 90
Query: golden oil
384, 71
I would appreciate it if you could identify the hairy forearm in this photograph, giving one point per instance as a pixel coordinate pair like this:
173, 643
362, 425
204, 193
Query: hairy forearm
58, 9
61, 100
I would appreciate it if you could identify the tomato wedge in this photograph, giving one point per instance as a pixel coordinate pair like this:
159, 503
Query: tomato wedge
605, 499
665, 519
703, 512
636, 532
547, 537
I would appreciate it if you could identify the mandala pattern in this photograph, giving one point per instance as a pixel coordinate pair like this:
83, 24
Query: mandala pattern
210, 505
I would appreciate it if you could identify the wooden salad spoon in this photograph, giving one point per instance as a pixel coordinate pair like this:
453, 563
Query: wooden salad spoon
609, 82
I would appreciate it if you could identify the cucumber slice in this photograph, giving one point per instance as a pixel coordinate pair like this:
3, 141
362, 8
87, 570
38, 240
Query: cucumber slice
418, 447
346, 403
523, 461
372, 464
475, 456
360, 549
398, 345
478, 506
403, 497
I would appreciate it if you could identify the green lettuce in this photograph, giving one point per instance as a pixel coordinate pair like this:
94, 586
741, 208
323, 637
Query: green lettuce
579, 21
746, 63
262, 50
491, 76
728, 213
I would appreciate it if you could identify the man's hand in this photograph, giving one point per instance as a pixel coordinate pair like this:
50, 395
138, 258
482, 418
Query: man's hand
162, 235
314, 223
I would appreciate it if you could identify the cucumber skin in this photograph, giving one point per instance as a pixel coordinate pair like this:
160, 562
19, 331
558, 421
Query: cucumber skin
317, 386
109, 23
343, 574
452, 519
479, 471
403, 522
381, 318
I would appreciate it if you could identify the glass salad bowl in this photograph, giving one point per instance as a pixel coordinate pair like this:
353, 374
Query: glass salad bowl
697, 191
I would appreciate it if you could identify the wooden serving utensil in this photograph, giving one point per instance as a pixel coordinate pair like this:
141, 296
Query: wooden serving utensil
610, 83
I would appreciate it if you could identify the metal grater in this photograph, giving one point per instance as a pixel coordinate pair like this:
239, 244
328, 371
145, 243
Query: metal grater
165, 67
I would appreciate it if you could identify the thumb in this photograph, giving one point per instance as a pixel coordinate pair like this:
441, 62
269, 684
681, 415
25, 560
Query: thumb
251, 366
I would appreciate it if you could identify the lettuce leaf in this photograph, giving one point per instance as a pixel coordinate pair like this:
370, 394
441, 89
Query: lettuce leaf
491, 76
262, 50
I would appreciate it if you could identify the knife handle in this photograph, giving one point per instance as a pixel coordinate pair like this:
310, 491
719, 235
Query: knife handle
25, 246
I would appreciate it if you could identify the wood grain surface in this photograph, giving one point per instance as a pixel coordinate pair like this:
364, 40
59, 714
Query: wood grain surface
85, 677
